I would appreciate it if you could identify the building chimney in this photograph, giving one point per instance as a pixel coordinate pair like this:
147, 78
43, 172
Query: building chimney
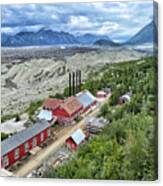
73, 83
70, 88
77, 83
79, 80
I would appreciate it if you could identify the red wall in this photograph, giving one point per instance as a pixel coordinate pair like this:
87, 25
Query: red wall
64, 116
101, 96
71, 144
60, 112
87, 108
22, 152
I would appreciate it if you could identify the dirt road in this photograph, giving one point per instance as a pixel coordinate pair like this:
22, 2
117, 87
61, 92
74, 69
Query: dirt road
37, 160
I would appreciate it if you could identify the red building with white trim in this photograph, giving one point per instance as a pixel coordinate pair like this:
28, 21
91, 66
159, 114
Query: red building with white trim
68, 110
18, 146
76, 139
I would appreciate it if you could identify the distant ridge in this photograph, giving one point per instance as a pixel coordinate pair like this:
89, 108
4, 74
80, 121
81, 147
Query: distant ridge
147, 34
103, 42
42, 37
46, 36
91, 38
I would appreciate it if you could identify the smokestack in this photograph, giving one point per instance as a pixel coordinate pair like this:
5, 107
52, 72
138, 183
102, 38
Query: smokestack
73, 83
77, 88
79, 80
70, 88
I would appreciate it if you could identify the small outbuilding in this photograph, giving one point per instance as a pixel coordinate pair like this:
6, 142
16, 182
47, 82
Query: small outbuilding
124, 98
101, 94
46, 115
76, 139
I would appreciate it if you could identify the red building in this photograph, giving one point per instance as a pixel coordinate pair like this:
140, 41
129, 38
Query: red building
18, 146
86, 99
76, 139
68, 110
52, 104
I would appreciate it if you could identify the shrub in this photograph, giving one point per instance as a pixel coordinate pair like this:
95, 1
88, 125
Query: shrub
3, 136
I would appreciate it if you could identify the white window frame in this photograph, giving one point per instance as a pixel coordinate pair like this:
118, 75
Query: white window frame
26, 147
16, 153
48, 132
34, 142
5, 161
42, 136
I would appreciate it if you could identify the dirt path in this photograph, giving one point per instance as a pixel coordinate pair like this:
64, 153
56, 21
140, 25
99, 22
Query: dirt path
37, 160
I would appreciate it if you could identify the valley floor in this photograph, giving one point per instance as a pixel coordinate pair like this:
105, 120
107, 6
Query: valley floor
29, 74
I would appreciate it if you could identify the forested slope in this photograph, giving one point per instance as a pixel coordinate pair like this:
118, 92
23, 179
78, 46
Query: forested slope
127, 148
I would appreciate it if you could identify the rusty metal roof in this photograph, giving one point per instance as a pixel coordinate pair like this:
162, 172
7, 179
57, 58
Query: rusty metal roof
71, 105
52, 103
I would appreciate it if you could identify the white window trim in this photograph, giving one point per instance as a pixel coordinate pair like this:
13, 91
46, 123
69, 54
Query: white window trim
42, 136
16, 154
48, 132
34, 142
26, 147
5, 161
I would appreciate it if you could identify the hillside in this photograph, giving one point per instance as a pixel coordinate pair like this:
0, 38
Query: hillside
148, 34
126, 149
105, 42
91, 38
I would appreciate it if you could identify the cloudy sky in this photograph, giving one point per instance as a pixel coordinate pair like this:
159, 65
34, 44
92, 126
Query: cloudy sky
118, 20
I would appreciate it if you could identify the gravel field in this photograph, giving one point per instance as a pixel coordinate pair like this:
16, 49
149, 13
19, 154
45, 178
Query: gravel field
32, 73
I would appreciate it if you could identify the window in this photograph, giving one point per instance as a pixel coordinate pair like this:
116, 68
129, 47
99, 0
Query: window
48, 132
26, 147
34, 142
16, 154
42, 136
5, 161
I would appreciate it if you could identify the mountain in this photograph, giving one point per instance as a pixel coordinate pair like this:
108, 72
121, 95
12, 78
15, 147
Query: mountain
104, 42
90, 38
147, 34
42, 37
4, 37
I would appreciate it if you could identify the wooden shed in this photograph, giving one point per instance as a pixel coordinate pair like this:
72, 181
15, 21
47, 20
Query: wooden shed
75, 139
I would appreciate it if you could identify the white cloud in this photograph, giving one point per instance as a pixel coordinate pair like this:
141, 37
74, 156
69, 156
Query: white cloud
8, 30
79, 22
13, 30
116, 19
54, 16
107, 28
112, 7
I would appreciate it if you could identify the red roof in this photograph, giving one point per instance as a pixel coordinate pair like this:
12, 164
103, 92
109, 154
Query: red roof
52, 103
71, 105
